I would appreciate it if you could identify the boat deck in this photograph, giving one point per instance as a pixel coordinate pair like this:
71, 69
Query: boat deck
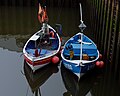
89, 51
41, 52
44, 49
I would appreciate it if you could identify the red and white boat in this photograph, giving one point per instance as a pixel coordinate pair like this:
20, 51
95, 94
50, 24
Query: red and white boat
42, 47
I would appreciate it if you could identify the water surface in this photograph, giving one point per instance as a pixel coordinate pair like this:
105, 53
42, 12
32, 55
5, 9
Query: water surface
17, 24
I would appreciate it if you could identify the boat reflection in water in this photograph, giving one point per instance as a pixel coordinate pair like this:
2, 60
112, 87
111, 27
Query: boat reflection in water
75, 87
36, 79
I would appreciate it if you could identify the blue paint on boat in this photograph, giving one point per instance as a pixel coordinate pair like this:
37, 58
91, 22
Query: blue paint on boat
79, 52
89, 49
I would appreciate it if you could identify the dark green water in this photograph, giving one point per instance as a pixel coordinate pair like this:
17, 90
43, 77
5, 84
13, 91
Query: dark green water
17, 24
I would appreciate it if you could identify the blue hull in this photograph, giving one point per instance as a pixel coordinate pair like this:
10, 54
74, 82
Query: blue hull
79, 57
79, 52
78, 69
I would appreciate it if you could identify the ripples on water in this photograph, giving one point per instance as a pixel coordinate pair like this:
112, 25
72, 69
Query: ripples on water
16, 26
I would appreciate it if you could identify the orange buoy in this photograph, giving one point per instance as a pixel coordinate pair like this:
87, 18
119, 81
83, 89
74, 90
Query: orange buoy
55, 60
97, 63
101, 64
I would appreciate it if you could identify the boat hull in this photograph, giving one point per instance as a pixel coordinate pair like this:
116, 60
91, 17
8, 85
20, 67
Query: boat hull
77, 69
35, 65
75, 60
38, 53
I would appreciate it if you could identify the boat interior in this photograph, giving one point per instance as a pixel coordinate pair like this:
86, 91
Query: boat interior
44, 44
73, 47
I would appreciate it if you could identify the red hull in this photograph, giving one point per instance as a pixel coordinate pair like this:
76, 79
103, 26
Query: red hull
39, 62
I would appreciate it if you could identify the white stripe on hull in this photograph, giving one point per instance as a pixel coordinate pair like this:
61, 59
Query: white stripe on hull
36, 67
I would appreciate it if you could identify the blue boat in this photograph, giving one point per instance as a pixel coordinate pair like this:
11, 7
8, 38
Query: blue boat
40, 49
79, 53
43, 47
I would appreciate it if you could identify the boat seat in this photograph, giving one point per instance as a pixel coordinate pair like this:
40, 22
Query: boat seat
90, 51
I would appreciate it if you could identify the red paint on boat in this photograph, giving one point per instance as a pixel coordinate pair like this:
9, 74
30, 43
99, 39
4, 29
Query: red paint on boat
28, 60
43, 61
39, 62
